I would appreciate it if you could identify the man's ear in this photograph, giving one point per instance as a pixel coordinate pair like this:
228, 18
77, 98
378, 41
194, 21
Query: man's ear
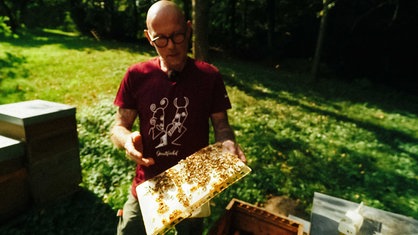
146, 33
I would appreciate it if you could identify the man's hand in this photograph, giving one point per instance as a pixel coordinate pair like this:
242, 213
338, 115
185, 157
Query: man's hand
122, 137
133, 147
225, 134
232, 147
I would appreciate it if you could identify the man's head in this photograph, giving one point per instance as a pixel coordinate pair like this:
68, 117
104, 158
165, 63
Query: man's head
168, 31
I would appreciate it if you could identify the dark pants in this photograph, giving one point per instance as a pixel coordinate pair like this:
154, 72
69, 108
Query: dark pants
131, 221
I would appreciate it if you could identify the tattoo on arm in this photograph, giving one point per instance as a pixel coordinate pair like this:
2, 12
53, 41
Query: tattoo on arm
122, 128
222, 129
225, 134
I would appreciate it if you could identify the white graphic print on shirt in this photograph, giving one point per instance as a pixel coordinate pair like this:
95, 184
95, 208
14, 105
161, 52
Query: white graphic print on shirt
172, 131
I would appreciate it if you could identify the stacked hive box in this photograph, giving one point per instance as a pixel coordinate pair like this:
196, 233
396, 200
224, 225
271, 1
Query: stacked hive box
14, 193
243, 218
49, 133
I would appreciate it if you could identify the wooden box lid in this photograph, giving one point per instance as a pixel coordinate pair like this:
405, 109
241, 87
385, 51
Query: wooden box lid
34, 111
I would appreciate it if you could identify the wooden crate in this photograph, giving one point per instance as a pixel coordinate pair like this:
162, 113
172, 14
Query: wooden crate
34, 119
14, 190
14, 194
242, 218
51, 144
57, 176
49, 133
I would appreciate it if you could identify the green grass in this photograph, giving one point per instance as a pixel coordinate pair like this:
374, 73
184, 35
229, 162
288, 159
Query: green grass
350, 140
63, 68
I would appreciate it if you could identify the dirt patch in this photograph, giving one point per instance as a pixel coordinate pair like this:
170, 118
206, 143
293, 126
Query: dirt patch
284, 205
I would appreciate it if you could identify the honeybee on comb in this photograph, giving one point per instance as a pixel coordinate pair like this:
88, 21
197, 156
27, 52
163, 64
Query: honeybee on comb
176, 193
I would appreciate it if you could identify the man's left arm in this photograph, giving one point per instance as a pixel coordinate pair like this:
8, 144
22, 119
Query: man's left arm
225, 134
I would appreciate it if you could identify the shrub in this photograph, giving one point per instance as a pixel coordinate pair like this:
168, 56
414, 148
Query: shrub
105, 169
5, 30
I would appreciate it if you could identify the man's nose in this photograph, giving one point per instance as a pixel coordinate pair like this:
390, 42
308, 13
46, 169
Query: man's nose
170, 43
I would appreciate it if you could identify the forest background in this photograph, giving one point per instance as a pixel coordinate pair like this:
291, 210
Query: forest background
372, 39
355, 123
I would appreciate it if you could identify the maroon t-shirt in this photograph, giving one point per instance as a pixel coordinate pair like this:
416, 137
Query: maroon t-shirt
173, 116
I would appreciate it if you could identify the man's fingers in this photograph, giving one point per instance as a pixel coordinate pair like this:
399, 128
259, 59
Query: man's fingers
148, 161
229, 146
139, 159
133, 147
234, 148
136, 139
241, 154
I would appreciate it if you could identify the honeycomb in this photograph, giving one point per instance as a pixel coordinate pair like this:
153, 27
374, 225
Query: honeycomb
176, 193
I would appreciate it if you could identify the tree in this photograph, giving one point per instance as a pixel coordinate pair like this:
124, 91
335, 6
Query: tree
271, 23
14, 11
201, 23
322, 29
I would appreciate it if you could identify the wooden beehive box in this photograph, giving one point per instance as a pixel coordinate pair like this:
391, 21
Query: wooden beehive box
49, 132
243, 218
14, 192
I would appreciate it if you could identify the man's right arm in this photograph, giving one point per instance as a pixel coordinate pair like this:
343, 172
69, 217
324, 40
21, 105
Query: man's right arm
122, 128
123, 137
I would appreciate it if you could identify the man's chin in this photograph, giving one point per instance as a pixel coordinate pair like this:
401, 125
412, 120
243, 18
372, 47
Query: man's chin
175, 64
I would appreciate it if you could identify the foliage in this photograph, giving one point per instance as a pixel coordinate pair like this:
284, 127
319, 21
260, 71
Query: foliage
9, 74
260, 29
355, 141
364, 38
106, 170
110, 19
81, 213
5, 30
57, 12
372, 39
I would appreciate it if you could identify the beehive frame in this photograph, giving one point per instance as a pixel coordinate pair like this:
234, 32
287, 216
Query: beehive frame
175, 194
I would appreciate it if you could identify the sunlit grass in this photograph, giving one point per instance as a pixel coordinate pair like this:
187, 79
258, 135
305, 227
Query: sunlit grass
75, 72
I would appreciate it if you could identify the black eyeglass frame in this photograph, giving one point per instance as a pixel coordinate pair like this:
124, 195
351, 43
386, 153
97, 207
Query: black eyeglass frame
172, 37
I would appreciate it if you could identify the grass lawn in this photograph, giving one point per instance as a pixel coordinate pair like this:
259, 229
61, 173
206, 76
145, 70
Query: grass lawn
351, 140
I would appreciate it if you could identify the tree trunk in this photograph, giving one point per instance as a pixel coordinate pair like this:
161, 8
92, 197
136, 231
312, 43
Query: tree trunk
200, 21
320, 41
271, 24
135, 15
230, 24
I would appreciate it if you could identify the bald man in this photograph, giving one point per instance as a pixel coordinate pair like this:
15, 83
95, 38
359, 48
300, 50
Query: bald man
174, 97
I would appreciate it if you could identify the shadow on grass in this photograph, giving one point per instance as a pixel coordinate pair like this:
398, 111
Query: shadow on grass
11, 68
12, 60
81, 213
350, 173
300, 169
247, 75
405, 104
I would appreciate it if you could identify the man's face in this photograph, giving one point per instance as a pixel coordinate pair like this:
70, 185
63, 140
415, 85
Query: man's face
170, 38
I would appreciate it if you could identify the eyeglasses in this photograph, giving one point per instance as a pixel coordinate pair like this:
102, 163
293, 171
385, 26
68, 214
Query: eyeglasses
162, 41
